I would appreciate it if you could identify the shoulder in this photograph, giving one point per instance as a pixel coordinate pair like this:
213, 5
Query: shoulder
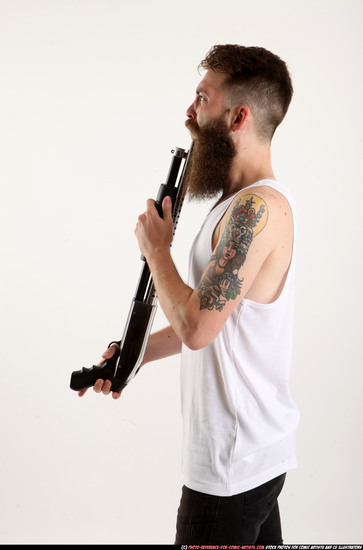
259, 206
273, 197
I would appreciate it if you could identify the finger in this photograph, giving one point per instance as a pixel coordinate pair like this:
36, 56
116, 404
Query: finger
82, 392
150, 205
116, 395
141, 218
106, 388
110, 352
167, 205
140, 224
98, 385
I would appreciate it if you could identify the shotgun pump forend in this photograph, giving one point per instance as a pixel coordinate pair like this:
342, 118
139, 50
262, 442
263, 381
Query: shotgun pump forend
125, 363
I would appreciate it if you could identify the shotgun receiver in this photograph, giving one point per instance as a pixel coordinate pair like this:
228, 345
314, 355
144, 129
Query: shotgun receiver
123, 366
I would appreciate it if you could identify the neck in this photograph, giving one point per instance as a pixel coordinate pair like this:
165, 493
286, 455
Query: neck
252, 163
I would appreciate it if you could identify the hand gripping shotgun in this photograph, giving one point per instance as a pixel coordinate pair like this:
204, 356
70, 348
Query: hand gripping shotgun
123, 366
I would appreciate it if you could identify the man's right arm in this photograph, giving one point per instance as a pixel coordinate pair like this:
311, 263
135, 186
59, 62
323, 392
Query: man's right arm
161, 344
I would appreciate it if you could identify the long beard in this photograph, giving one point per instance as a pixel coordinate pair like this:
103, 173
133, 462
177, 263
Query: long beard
211, 159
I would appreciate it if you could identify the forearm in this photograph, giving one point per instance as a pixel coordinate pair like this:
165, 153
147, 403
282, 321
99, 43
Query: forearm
161, 344
179, 302
177, 299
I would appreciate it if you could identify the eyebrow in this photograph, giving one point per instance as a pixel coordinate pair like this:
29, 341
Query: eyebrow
202, 90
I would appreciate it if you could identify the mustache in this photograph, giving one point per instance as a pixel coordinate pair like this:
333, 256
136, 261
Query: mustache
193, 127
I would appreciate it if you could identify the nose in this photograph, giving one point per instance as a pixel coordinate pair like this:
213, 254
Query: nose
191, 112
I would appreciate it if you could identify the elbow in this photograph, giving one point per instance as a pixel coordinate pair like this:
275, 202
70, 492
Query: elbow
196, 329
196, 338
193, 343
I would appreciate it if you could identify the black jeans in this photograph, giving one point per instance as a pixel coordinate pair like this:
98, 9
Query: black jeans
247, 518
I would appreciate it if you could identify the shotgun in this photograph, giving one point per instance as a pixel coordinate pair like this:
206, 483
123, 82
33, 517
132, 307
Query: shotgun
124, 365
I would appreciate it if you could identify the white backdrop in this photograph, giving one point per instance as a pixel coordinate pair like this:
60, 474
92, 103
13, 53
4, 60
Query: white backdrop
93, 96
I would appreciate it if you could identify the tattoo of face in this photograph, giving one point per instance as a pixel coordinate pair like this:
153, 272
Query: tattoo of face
221, 282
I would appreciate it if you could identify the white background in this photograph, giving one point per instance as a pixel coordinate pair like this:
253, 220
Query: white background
92, 99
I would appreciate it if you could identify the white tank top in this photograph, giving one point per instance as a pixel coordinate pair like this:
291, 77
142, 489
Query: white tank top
239, 420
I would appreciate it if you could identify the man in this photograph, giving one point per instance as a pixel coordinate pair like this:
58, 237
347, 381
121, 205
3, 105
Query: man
232, 323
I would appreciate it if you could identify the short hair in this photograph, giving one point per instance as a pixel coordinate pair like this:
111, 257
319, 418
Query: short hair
255, 77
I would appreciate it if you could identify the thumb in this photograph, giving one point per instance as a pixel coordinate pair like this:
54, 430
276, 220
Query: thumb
167, 206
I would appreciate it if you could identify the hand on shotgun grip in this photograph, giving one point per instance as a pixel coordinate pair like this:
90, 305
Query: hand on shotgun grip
97, 375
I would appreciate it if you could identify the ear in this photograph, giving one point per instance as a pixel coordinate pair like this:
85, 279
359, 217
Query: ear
240, 115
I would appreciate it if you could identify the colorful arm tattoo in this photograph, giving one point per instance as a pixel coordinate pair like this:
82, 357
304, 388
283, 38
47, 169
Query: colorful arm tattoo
221, 282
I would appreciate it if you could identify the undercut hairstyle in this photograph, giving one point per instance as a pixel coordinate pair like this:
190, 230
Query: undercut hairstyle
254, 77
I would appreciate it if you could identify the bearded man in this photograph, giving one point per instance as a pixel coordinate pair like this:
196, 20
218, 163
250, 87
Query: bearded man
231, 324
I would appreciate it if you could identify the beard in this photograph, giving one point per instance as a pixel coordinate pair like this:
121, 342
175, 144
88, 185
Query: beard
210, 160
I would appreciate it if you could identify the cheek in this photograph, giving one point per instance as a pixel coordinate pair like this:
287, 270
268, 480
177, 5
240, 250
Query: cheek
202, 118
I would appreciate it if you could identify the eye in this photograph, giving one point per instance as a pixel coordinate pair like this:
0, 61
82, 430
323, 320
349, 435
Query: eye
200, 98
